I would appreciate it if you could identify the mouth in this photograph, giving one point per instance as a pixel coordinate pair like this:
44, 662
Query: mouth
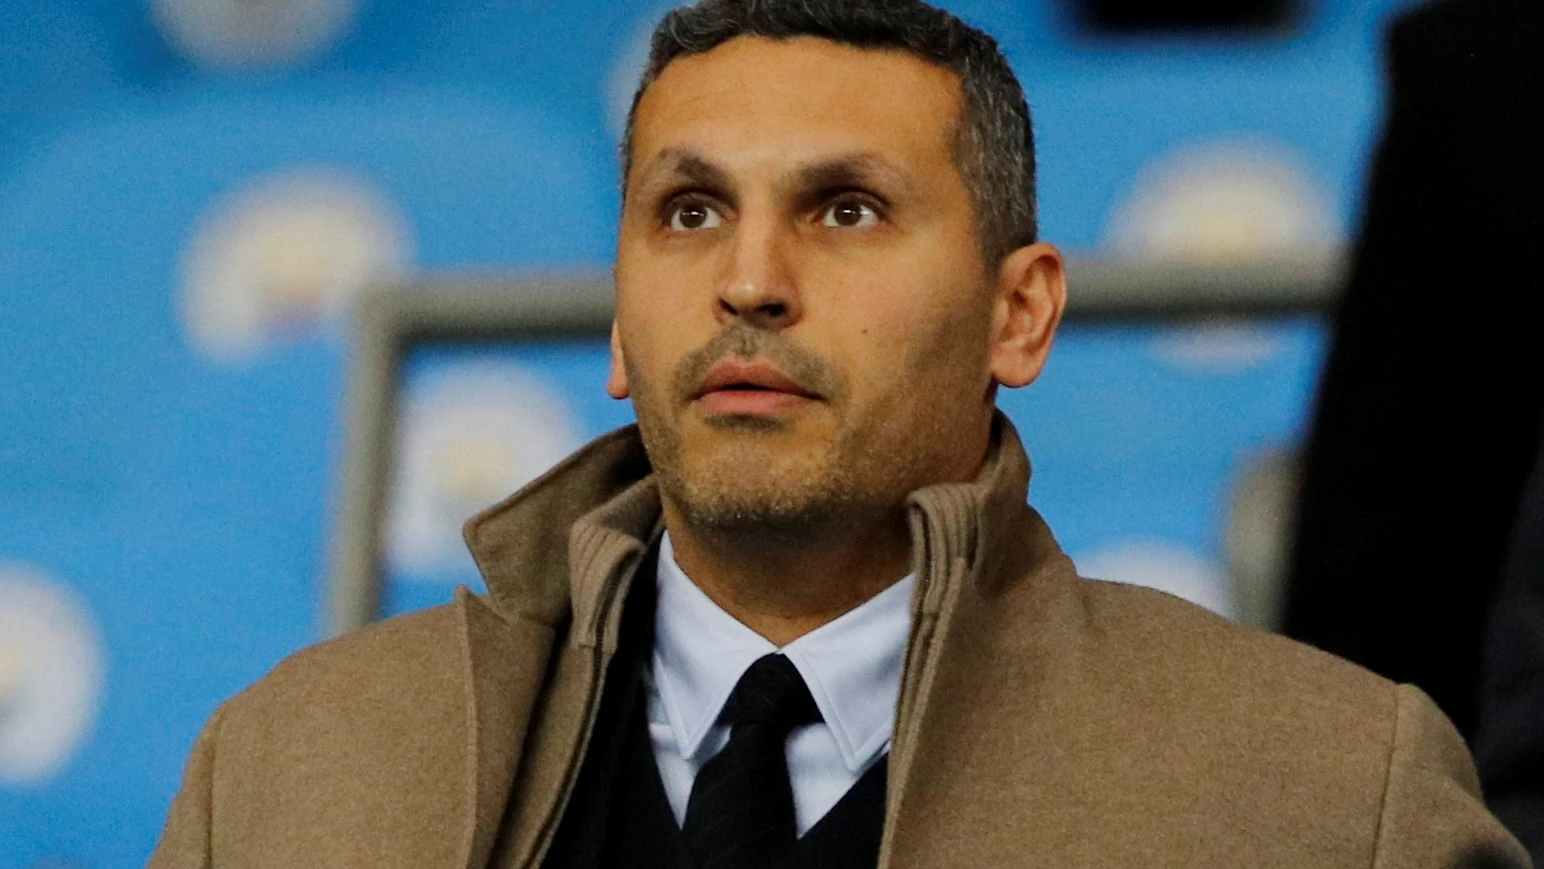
750, 387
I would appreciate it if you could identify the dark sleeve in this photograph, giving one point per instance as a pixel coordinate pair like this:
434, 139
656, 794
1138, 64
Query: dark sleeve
1427, 413
1510, 744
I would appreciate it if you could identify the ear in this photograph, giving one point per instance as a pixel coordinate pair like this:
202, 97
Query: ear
616, 383
1030, 297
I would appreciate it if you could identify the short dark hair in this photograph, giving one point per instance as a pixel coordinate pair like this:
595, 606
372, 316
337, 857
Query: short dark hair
994, 147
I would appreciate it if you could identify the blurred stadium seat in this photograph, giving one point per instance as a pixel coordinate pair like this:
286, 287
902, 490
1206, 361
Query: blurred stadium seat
52, 55
183, 492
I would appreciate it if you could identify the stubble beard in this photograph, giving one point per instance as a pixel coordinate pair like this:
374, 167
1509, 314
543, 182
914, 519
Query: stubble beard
751, 481
749, 489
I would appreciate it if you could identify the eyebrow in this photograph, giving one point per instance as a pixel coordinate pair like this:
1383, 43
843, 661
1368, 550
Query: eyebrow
688, 165
861, 169
851, 170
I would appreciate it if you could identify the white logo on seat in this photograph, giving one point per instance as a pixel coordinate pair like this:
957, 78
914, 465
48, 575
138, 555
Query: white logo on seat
468, 436
254, 33
51, 675
282, 259
1224, 201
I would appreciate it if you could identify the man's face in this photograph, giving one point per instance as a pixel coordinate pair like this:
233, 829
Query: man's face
803, 313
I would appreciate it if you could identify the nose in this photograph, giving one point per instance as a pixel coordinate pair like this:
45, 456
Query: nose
759, 287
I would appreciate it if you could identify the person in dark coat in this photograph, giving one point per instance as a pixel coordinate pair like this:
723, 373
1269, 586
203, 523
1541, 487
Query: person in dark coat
1510, 743
1428, 413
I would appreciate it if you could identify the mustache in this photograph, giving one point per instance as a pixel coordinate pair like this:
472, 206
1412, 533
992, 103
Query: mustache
804, 367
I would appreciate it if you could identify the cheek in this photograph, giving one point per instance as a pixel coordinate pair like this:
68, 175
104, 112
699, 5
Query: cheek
911, 367
640, 338
655, 340
660, 313
937, 331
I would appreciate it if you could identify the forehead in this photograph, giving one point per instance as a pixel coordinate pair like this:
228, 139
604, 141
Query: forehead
756, 99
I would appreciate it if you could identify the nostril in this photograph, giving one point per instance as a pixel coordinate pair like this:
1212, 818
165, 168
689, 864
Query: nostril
766, 311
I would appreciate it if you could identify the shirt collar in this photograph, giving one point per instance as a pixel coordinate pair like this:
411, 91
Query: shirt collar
852, 665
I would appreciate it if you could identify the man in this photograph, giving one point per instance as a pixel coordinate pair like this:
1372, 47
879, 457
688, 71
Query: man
802, 615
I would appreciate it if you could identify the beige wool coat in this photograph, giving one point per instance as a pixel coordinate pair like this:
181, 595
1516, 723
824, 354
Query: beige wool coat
1044, 720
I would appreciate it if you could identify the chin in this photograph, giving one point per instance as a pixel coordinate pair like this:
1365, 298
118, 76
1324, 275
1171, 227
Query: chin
744, 441
758, 513
747, 485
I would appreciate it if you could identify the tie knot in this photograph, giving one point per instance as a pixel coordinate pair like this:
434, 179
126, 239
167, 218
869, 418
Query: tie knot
771, 693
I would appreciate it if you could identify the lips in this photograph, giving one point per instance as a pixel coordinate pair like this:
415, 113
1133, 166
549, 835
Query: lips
751, 376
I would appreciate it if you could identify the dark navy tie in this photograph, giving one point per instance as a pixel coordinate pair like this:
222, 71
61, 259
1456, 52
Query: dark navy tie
740, 813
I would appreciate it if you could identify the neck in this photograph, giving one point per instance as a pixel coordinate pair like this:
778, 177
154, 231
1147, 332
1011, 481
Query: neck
784, 588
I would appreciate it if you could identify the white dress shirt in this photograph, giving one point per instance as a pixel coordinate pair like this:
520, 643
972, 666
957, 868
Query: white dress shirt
852, 667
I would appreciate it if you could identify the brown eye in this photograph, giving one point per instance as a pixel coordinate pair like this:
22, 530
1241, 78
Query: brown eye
691, 216
850, 214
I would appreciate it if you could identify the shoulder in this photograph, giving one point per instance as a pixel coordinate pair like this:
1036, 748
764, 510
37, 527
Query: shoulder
1231, 691
1179, 640
1129, 715
370, 660
1290, 730
1185, 631
1126, 715
335, 718
403, 670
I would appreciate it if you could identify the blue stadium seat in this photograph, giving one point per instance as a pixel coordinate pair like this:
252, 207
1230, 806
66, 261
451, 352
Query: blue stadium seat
563, 50
185, 496
52, 56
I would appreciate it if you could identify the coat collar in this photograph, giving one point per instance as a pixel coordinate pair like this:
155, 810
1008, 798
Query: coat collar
546, 551
555, 556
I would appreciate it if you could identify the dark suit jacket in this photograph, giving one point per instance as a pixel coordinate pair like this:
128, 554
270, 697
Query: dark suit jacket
1428, 414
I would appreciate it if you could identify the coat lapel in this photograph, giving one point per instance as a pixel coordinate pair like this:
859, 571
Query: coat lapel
560, 727
556, 557
505, 666
991, 603
1008, 642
